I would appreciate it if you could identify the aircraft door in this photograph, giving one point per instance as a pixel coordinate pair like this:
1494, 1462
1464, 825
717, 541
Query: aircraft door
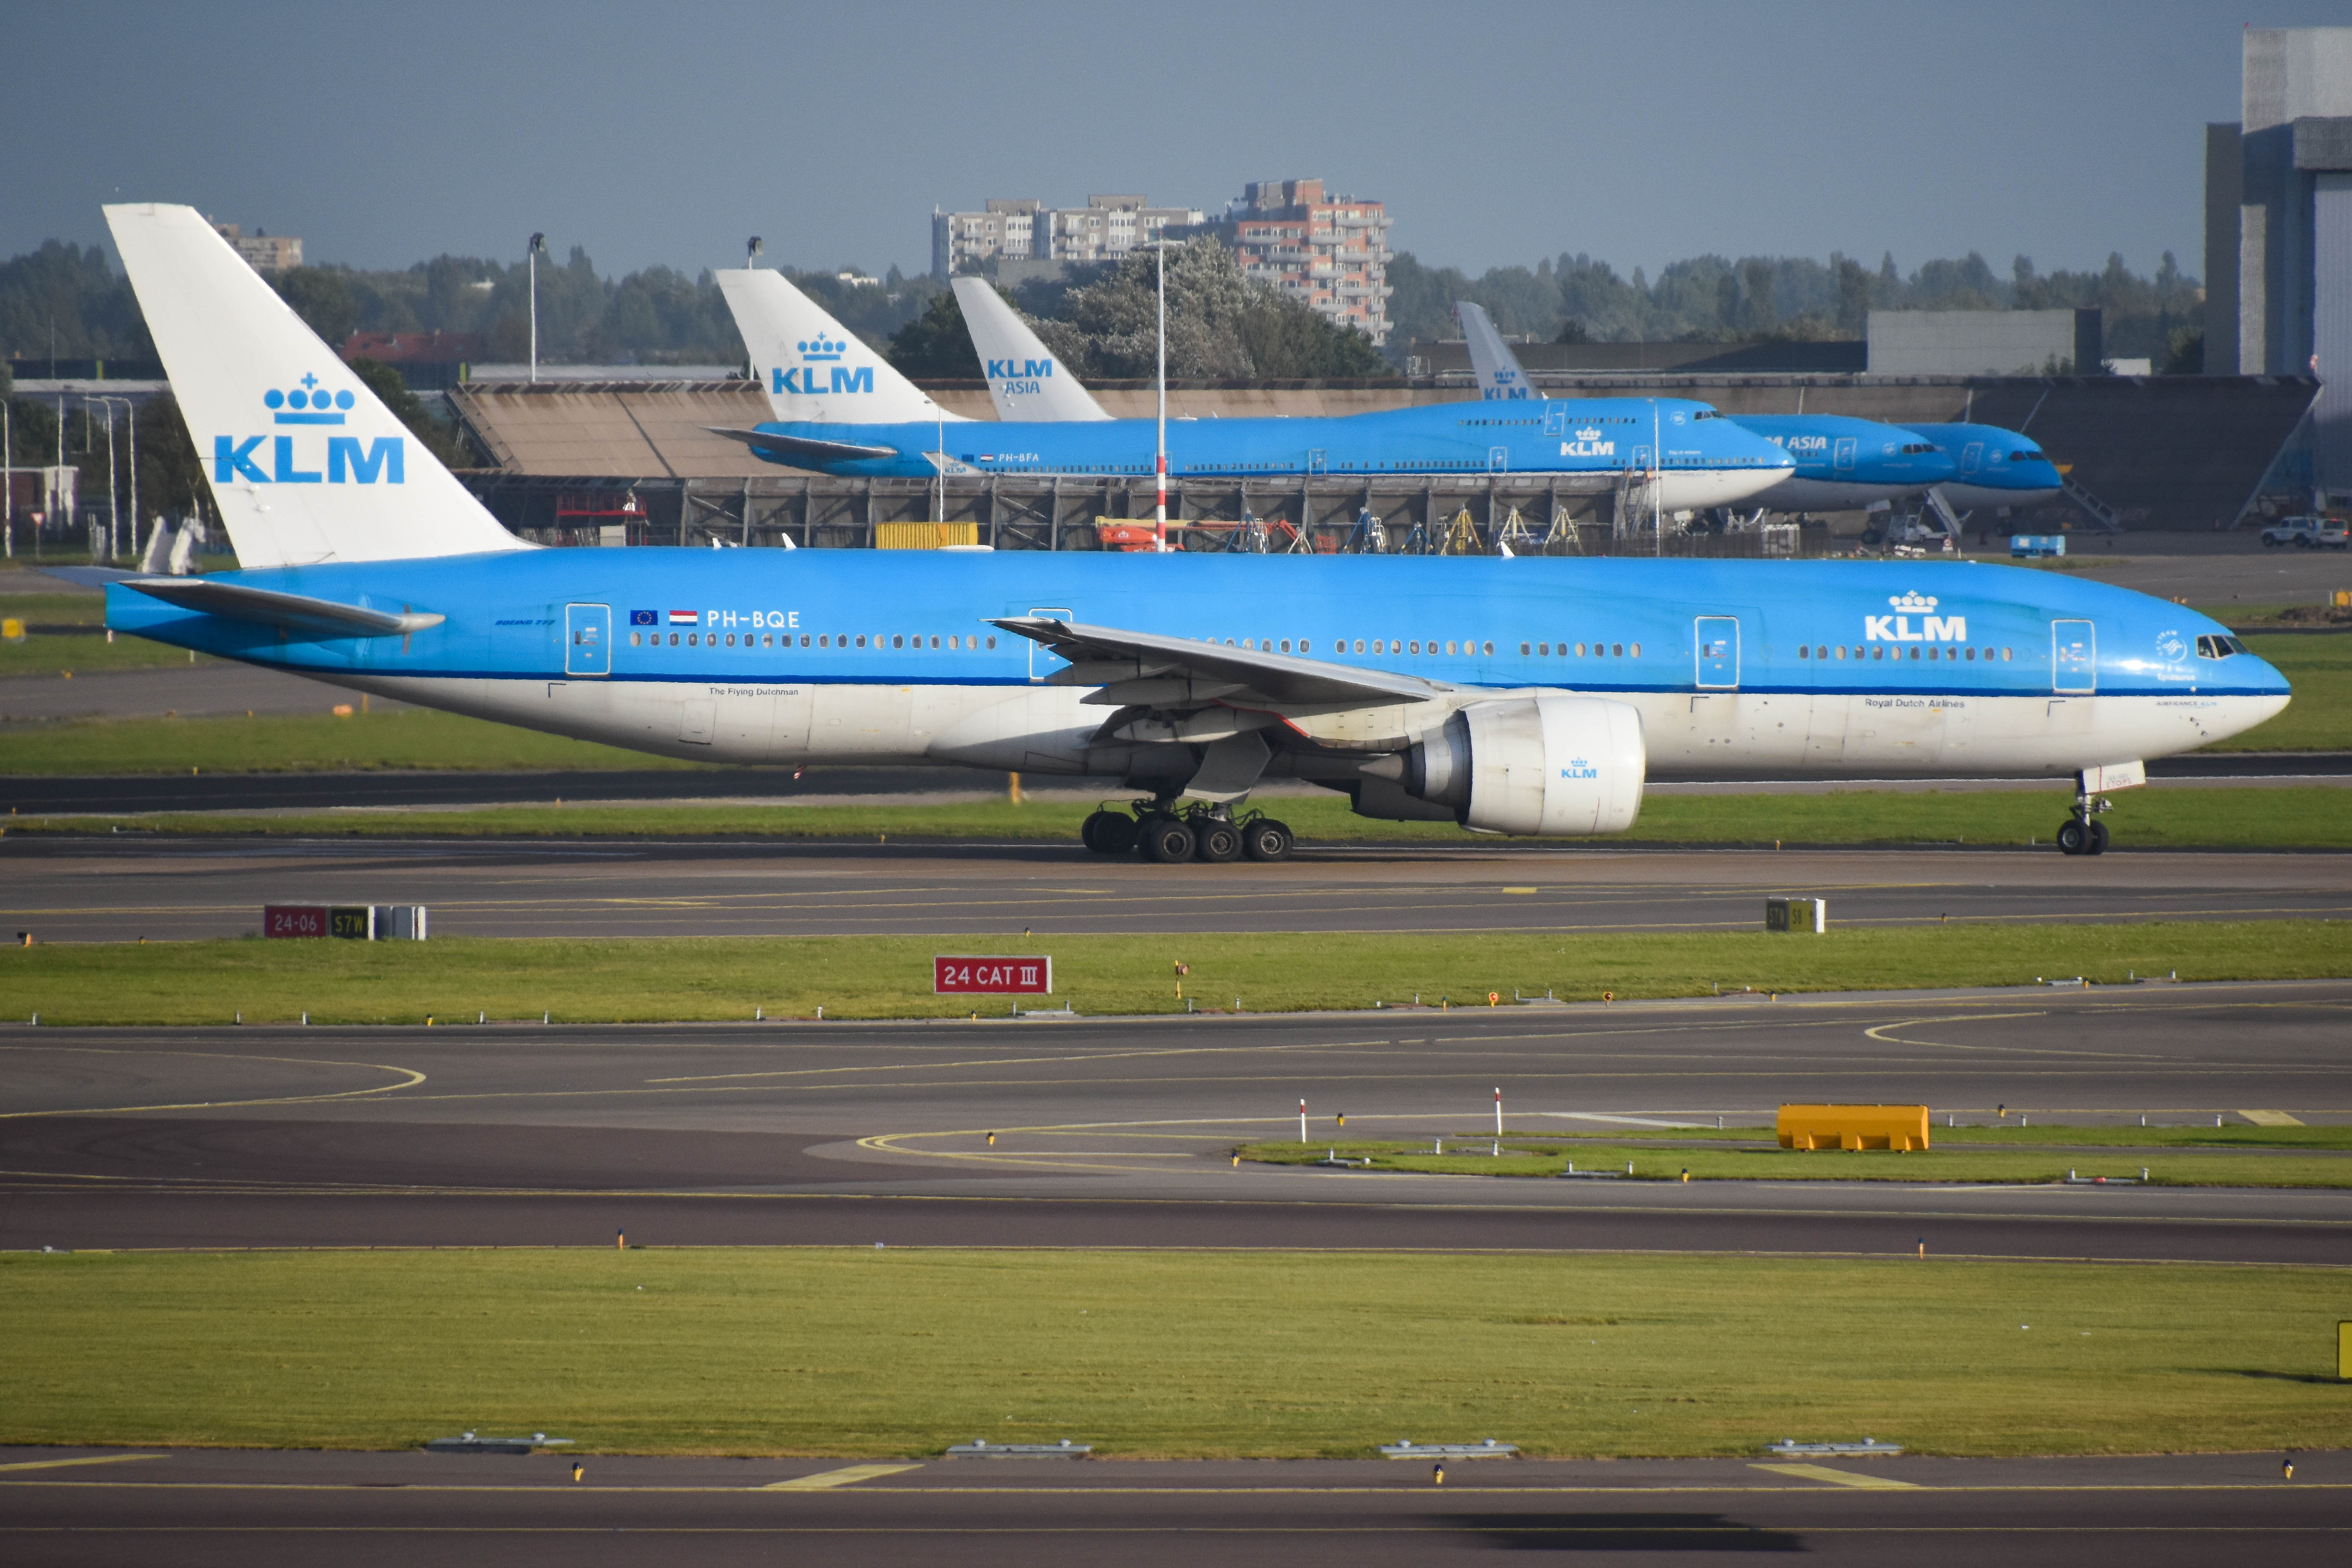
1641, 463
1972, 457
587, 640
1555, 420
1842, 455
1718, 638
2073, 657
1316, 461
1053, 661
1498, 459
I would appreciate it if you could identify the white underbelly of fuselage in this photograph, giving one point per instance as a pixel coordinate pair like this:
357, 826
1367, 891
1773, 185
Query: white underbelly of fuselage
1697, 490
1047, 730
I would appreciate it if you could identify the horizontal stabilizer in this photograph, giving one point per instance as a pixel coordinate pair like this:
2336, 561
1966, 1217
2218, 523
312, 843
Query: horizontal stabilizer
1281, 677
803, 448
295, 612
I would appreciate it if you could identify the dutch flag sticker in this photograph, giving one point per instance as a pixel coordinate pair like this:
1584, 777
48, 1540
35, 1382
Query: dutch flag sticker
685, 618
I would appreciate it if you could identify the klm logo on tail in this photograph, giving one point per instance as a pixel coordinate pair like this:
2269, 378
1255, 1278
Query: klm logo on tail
348, 460
822, 350
1020, 369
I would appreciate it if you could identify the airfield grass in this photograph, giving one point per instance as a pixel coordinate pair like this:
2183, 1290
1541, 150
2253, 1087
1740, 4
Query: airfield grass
453, 980
1546, 1156
2293, 817
864, 1352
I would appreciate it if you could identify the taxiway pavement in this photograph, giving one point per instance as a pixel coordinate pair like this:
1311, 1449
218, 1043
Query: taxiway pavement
62, 1506
120, 890
1118, 1132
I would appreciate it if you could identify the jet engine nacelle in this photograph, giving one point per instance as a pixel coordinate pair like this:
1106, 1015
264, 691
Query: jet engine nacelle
1551, 763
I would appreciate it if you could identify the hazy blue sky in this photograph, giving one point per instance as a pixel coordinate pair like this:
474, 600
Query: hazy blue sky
666, 132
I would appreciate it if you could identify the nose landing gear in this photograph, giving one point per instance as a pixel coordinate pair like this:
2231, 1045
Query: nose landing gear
2084, 833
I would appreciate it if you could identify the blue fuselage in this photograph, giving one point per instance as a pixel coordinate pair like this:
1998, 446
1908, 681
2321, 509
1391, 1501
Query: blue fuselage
1993, 466
1844, 464
1600, 435
720, 620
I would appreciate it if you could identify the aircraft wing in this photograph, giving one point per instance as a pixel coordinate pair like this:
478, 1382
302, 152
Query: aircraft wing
296, 612
1278, 677
803, 448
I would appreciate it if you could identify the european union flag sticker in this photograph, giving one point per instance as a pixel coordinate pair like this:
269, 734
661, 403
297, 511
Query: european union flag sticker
643, 618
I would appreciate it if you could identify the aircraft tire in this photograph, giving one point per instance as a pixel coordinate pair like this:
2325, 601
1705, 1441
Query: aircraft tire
2074, 838
1267, 840
1217, 841
2098, 837
1108, 832
1167, 839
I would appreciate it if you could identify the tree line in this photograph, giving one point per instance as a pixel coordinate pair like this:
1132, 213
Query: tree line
1714, 299
1098, 318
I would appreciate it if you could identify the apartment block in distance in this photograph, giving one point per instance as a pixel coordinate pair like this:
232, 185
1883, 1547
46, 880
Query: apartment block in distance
1331, 253
262, 251
1024, 229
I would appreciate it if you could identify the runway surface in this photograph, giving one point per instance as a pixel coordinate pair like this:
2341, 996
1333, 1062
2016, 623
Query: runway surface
1118, 1132
114, 1506
111, 890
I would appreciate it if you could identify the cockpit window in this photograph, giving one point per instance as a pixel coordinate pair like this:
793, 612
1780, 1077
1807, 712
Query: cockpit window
2218, 646
2025, 457
1707, 413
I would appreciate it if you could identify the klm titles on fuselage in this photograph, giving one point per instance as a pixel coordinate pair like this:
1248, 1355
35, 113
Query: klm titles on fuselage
349, 459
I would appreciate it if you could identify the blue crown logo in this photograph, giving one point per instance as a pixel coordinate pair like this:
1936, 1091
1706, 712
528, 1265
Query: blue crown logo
309, 404
821, 347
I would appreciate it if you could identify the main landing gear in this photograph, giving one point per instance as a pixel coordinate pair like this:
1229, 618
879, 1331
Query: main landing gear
1166, 834
2084, 833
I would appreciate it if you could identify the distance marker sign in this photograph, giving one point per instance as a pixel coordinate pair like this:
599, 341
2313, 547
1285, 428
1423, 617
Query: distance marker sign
995, 976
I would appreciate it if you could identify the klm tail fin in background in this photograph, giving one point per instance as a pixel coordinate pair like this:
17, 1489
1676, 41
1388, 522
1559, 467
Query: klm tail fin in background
1023, 377
1500, 379
812, 367
305, 464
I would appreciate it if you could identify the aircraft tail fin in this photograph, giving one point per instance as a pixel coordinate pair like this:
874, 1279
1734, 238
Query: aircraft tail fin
1500, 379
813, 368
1025, 378
304, 462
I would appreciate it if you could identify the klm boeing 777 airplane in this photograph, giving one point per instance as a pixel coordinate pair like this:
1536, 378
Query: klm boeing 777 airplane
1535, 696
841, 410
1992, 466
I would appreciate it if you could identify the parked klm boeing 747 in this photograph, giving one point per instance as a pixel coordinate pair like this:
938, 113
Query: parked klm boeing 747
1534, 696
841, 410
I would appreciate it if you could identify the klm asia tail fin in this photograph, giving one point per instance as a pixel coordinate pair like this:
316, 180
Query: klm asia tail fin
305, 464
1023, 377
813, 368
1500, 379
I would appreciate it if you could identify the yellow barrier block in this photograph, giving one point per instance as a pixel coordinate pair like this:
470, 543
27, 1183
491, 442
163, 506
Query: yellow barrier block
1853, 1127
924, 535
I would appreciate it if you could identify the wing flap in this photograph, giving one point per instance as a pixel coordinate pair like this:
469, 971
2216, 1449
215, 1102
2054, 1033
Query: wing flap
295, 612
1280, 677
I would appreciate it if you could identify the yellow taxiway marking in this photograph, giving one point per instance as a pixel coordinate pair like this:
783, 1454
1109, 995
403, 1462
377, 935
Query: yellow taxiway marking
823, 1480
410, 1079
2271, 1118
60, 1464
1836, 1478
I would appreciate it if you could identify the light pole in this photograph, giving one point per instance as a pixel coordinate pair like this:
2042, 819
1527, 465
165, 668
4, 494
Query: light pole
1159, 465
7, 480
538, 247
940, 461
113, 487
